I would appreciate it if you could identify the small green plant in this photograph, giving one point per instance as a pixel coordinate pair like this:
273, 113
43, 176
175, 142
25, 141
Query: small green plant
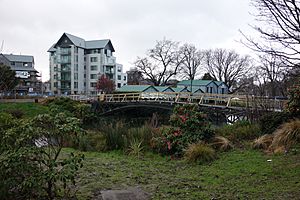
135, 148
199, 152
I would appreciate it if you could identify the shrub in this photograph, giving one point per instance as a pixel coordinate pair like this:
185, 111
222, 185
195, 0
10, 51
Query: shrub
31, 172
16, 113
187, 126
62, 104
199, 153
271, 121
287, 135
293, 105
115, 135
241, 130
221, 143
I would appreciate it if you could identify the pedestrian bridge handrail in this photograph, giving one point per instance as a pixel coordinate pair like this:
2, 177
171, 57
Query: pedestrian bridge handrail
205, 99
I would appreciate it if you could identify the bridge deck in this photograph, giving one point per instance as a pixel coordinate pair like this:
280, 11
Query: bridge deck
206, 99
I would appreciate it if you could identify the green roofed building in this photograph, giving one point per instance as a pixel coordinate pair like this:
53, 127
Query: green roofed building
137, 88
206, 86
164, 89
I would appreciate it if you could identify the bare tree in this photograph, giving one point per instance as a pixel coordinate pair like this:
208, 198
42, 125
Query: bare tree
272, 72
279, 29
192, 61
161, 63
227, 66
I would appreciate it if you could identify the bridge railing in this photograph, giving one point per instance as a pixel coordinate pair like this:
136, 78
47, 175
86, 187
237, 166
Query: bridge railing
206, 99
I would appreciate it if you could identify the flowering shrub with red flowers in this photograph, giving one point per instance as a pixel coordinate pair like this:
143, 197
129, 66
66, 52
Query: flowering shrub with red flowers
293, 105
188, 126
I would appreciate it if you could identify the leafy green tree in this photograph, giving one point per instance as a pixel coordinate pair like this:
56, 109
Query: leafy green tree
8, 80
293, 105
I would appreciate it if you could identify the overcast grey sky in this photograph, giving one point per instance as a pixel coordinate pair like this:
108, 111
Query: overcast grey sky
30, 27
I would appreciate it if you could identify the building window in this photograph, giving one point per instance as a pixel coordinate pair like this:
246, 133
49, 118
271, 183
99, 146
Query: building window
211, 90
124, 78
75, 76
13, 63
119, 68
75, 85
76, 67
93, 84
84, 75
94, 67
55, 84
25, 64
119, 77
93, 59
119, 85
93, 76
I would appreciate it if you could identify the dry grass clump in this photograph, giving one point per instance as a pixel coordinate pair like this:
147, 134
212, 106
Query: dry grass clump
281, 140
263, 142
286, 135
221, 143
200, 152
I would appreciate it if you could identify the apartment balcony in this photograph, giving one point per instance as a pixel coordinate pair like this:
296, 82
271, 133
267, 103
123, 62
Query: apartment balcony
65, 79
67, 61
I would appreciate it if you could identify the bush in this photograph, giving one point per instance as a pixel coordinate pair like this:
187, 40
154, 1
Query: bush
241, 130
62, 104
271, 121
293, 105
187, 126
30, 165
199, 153
16, 113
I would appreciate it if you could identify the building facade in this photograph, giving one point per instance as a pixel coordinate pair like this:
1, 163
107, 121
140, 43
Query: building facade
76, 65
23, 65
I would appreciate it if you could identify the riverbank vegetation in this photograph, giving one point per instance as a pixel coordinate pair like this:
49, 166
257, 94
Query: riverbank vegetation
42, 154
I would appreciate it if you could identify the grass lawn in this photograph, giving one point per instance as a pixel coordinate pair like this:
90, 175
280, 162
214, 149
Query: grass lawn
235, 175
29, 109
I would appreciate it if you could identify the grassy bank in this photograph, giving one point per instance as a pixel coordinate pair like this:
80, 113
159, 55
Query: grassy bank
28, 109
235, 175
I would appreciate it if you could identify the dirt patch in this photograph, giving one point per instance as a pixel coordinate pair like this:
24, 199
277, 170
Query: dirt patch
132, 193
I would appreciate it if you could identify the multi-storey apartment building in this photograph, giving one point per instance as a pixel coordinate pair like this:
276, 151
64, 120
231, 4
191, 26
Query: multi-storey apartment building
23, 65
76, 65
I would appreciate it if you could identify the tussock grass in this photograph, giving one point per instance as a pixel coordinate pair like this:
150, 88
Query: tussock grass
263, 142
199, 152
286, 135
221, 143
